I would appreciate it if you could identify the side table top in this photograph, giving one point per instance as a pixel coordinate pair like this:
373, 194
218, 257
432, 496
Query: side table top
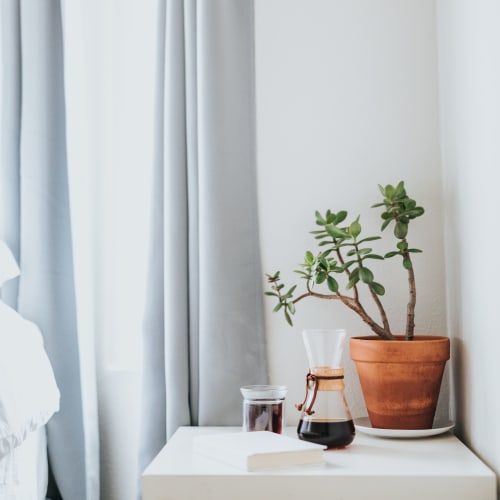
439, 467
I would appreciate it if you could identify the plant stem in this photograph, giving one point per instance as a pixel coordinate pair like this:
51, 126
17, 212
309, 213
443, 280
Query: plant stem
342, 262
381, 309
412, 300
352, 304
375, 298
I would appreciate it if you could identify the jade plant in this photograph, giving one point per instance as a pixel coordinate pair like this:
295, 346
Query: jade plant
345, 255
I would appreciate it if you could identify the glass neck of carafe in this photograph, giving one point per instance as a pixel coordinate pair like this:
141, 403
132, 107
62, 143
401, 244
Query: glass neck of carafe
324, 348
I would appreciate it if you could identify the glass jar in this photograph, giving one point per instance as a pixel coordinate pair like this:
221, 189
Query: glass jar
264, 408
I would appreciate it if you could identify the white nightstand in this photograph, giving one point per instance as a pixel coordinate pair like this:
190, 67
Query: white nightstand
439, 468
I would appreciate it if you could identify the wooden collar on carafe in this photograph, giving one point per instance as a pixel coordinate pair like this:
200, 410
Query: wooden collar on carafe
327, 378
321, 378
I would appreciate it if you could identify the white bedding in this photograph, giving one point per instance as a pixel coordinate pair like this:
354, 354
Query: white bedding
28, 398
24, 471
28, 392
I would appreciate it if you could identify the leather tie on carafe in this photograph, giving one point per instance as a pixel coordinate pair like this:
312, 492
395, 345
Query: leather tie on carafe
316, 381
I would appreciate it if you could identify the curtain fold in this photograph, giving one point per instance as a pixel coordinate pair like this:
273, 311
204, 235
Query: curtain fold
10, 30
203, 323
203, 326
39, 228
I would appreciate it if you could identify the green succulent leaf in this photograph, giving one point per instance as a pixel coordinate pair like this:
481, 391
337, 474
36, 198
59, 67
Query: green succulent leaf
388, 255
319, 219
278, 307
323, 263
355, 229
330, 217
385, 224
346, 265
389, 191
320, 277
271, 294
377, 288
321, 236
354, 278
417, 212
400, 190
287, 317
352, 282
335, 232
400, 230
407, 264
373, 256
309, 258
366, 275
340, 217
332, 284
369, 238
303, 274
291, 307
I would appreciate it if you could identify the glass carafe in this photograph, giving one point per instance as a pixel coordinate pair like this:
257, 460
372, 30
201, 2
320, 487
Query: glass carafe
325, 418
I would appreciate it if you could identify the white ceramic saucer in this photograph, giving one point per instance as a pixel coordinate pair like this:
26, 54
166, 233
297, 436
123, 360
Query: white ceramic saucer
363, 425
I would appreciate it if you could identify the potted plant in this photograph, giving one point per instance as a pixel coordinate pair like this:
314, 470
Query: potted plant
401, 374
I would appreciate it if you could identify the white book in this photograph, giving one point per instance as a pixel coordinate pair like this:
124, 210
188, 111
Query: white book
252, 451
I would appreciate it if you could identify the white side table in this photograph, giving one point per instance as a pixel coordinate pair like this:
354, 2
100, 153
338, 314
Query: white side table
440, 468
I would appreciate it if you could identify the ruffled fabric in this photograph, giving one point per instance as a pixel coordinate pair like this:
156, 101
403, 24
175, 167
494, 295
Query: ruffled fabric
29, 395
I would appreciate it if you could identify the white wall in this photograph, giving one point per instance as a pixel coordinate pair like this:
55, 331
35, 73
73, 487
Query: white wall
347, 99
469, 45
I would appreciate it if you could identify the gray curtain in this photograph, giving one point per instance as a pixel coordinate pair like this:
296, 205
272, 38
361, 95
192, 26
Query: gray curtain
36, 209
203, 329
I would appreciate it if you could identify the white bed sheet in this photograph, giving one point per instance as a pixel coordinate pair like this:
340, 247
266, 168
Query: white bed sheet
29, 396
24, 471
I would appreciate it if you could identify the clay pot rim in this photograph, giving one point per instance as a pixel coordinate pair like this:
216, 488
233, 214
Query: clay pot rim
401, 339
422, 349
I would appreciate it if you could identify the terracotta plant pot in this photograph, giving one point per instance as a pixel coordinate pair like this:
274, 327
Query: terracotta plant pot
400, 379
